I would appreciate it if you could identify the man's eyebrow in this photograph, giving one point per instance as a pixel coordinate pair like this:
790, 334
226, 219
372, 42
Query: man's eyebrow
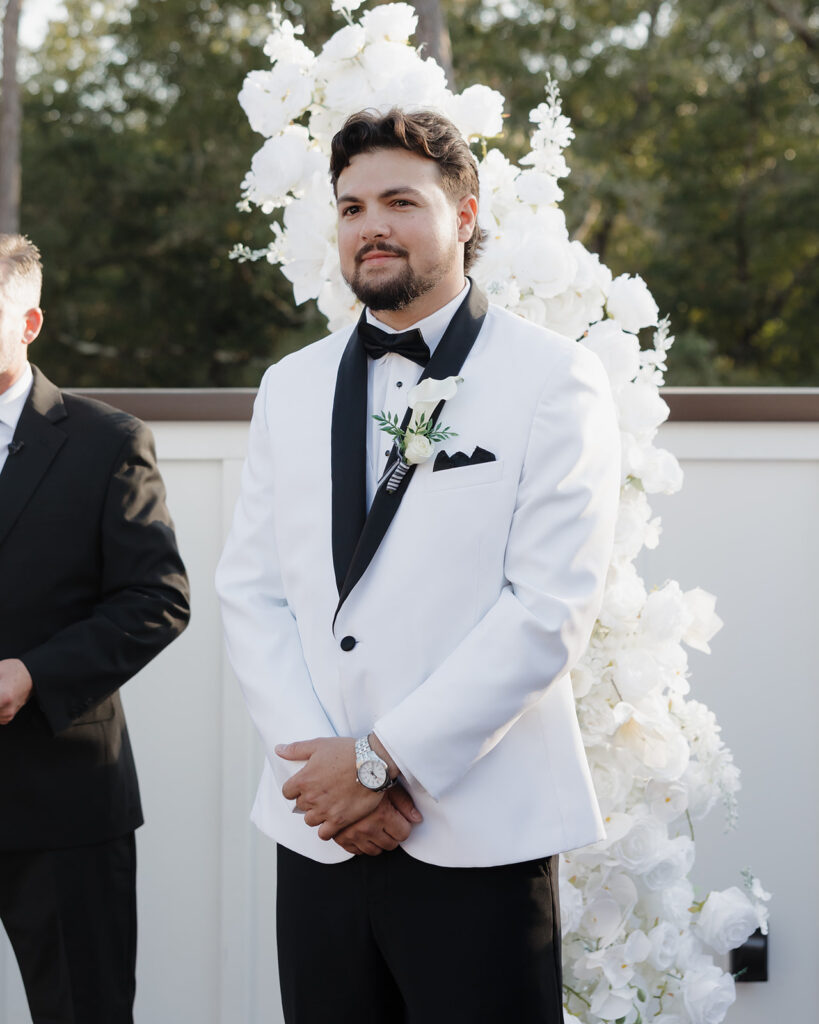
386, 194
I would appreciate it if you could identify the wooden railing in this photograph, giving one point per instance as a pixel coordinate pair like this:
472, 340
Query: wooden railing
703, 405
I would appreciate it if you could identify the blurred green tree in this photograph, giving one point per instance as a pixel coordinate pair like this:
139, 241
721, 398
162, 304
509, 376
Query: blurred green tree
695, 160
694, 165
134, 150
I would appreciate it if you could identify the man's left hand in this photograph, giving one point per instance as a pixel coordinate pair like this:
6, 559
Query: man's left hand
326, 789
15, 688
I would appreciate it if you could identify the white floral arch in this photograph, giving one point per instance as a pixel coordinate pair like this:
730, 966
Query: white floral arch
638, 945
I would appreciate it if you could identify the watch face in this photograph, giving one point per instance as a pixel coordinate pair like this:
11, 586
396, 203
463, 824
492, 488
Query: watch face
372, 774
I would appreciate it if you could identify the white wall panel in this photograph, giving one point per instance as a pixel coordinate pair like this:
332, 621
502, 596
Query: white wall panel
743, 527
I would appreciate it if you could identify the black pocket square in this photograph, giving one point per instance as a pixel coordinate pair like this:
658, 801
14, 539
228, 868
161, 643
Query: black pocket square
459, 459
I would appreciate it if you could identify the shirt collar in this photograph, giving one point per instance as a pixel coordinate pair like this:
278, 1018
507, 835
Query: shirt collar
433, 326
14, 398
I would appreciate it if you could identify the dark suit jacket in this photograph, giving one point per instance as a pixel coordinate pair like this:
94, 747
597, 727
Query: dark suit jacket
91, 588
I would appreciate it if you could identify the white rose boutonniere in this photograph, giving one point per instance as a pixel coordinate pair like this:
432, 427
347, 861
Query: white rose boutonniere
415, 443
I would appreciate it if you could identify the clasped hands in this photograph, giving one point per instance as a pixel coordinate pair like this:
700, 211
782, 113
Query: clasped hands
331, 798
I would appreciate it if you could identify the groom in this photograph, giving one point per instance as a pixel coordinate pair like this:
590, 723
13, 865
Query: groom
404, 651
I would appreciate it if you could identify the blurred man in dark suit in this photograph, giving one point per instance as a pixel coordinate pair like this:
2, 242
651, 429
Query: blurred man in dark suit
91, 589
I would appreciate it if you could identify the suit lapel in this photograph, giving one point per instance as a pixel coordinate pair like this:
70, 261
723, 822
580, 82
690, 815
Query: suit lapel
41, 441
446, 361
348, 455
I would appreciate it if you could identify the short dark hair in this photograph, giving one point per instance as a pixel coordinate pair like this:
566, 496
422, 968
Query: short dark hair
426, 133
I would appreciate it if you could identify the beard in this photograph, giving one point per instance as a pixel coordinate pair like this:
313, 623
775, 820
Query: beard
400, 290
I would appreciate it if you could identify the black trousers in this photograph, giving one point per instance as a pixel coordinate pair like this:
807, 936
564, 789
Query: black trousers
71, 918
392, 940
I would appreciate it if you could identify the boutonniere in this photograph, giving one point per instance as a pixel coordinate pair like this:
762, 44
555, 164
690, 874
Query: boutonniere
416, 441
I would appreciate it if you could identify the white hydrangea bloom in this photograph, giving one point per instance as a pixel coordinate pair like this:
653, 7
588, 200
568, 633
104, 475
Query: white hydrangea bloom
631, 304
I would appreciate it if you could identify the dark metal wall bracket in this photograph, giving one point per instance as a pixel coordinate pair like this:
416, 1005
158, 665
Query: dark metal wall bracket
749, 962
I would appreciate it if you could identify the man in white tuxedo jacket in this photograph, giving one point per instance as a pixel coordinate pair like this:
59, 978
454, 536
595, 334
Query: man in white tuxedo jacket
420, 632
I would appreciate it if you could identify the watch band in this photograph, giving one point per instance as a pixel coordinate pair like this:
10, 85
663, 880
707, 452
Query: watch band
364, 754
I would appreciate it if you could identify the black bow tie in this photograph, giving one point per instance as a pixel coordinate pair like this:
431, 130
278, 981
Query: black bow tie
409, 344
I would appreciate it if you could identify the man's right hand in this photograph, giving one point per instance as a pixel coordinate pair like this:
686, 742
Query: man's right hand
384, 828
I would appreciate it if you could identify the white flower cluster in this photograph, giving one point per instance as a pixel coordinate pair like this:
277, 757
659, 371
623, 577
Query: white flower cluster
637, 944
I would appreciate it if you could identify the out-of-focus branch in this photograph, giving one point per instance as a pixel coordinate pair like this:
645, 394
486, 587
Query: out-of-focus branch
432, 31
10, 119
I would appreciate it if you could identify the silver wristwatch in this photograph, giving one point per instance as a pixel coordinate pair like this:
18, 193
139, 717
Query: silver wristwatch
371, 770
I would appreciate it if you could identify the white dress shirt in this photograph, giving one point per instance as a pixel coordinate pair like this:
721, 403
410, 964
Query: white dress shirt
389, 380
12, 401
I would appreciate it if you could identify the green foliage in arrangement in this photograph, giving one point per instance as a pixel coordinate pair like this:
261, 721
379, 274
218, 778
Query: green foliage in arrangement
694, 165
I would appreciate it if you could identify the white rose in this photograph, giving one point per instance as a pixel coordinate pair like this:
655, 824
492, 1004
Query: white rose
611, 777
640, 409
596, 718
635, 528
635, 673
675, 903
676, 861
661, 747
281, 167
641, 848
538, 189
619, 352
417, 448
703, 791
591, 273
395, 22
630, 303
624, 596
727, 919
345, 44
272, 99
571, 906
661, 473
665, 615
573, 311
477, 112
531, 308
666, 800
705, 623
496, 176
707, 993
665, 941
347, 90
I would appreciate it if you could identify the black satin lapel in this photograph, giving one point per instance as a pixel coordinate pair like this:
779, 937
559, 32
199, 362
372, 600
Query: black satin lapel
446, 361
348, 456
41, 440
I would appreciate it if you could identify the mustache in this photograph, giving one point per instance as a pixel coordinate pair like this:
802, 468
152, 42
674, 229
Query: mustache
396, 250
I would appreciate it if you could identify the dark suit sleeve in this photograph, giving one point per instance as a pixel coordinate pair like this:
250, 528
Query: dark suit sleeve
143, 602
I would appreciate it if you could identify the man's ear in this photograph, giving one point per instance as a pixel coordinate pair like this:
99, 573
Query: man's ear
467, 210
33, 319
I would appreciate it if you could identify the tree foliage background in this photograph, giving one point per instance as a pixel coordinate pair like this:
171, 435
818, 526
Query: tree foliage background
695, 165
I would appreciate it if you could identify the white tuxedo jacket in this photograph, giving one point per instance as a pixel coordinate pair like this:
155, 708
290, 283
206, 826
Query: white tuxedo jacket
448, 621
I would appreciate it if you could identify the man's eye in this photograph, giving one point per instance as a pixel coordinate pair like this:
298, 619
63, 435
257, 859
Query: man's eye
349, 210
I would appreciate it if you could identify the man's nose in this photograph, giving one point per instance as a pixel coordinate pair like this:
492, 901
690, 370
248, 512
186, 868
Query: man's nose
374, 225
